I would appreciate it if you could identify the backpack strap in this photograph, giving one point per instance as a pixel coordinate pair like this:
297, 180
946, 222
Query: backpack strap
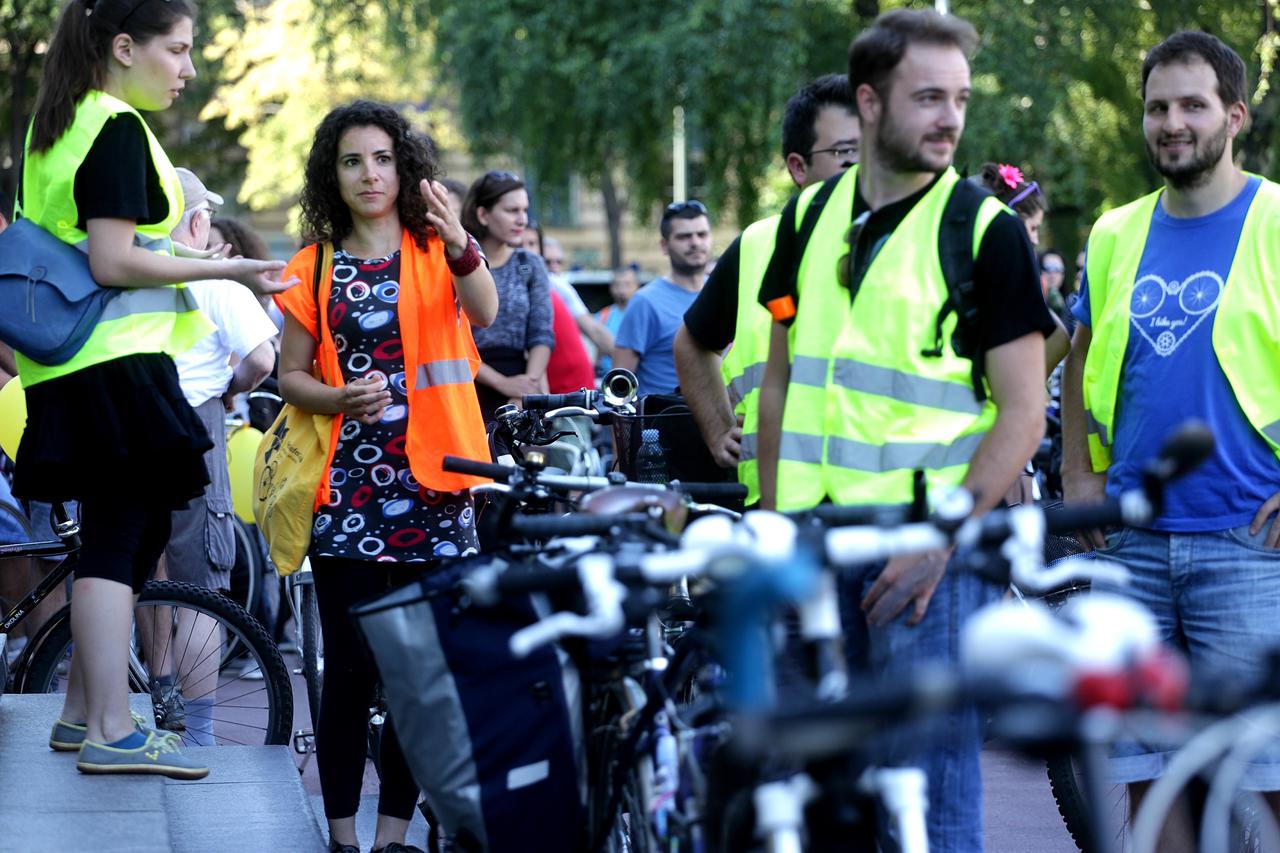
955, 253
816, 205
793, 237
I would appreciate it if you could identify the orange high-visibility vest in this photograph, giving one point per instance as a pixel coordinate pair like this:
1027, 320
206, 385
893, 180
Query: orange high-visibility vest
440, 362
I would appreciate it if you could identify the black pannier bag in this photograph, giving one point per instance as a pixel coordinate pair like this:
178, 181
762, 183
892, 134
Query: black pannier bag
494, 741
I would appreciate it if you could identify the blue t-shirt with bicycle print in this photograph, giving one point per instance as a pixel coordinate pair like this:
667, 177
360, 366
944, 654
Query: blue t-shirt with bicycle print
1171, 373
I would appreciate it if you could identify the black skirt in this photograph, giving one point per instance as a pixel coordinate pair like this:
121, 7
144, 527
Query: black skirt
116, 430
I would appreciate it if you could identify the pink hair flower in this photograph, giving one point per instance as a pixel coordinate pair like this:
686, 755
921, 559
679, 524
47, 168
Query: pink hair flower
1011, 175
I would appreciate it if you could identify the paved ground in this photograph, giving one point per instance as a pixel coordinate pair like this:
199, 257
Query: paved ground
1020, 813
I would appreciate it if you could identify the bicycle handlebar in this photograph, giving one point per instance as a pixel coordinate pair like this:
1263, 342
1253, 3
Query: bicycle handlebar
544, 526
461, 465
711, 492
583, 399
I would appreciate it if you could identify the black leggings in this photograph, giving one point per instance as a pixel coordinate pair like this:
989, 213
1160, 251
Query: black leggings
120, 540
350, 676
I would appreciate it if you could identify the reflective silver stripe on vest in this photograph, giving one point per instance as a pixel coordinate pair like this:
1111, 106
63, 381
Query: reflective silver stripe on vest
798, 447
905, 387
807, 370
859, 456
150, 300
455, 371
1094, 427
1272, 431
750, 447
156, 244
745, 382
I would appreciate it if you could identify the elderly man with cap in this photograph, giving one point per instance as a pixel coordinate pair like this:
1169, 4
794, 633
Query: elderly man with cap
202, 547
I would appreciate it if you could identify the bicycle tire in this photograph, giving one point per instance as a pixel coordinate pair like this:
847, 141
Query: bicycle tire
1073, 805
628, 832
309, 611
234, 680
247, 571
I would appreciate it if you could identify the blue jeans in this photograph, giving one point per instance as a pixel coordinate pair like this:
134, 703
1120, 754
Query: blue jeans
1215, 596
949, 752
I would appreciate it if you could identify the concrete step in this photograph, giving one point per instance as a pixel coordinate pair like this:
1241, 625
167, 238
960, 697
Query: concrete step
46, 804
253, 798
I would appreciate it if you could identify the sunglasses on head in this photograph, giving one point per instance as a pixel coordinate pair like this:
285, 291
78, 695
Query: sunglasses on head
678, 207
503, 176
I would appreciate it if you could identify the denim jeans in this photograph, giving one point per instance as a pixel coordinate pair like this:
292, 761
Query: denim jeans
1215, 596
948, 748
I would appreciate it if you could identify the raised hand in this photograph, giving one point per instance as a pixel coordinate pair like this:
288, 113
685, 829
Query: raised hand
442, 218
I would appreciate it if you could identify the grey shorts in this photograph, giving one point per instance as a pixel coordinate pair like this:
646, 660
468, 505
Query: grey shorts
202, 547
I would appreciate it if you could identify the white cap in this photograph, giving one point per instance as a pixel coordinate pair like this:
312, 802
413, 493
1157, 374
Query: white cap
194, 192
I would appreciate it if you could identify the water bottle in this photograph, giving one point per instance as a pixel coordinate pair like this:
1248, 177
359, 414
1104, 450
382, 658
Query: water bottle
651, 463
666, 774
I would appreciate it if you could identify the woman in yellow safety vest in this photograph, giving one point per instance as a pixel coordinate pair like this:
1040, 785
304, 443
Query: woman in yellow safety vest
110, 427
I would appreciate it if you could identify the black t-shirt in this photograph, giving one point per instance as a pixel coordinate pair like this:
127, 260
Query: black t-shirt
117, 179
712, 318
1006, 274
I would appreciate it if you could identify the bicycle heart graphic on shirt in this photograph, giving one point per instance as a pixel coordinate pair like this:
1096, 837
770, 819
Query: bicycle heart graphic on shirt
1166, 313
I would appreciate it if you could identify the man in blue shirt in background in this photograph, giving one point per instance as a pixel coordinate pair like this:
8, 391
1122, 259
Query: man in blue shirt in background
1180, 319
644, 340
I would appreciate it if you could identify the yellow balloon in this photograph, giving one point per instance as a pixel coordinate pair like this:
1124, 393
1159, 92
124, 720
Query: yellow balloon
13, 416
242, 446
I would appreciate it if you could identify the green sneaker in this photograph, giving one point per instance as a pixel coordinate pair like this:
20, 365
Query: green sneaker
67, 737
159, 755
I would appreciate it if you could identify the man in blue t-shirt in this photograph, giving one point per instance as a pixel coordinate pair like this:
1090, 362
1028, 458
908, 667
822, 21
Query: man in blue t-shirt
1208, 567
644, 340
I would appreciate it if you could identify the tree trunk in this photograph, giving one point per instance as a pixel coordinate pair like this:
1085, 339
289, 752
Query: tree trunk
613, 215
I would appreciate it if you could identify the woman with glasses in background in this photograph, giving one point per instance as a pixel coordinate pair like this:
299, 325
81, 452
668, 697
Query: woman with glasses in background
515, 349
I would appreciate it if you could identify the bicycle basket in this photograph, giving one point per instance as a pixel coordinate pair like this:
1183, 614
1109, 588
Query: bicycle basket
681, 452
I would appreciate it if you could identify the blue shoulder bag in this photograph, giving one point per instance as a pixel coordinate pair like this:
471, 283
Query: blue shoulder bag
49, 302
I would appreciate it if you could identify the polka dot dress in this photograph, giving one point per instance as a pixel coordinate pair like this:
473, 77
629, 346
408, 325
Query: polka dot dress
377, 510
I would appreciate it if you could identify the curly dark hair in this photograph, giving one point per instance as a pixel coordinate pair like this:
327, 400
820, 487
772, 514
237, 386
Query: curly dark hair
244, 241
325, 216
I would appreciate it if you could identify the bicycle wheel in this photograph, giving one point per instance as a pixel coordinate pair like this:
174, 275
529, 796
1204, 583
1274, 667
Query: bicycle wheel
312, 658
247, 571
1067, 786
179, 653
630, 833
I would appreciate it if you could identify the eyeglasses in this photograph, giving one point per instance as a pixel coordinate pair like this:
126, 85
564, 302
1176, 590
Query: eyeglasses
1054, 268
840, 152
676, 208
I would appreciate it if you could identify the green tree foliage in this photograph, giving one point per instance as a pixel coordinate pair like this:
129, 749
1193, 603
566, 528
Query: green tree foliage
1057, 90
282, 69
24, 29
590, 86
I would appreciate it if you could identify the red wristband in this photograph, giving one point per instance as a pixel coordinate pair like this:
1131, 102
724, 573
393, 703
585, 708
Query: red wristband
466, 263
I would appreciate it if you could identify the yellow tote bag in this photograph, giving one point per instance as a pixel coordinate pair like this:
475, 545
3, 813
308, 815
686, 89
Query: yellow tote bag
287, 472
289, 464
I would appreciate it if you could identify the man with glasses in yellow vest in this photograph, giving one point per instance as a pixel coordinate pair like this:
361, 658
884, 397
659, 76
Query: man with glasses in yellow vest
820, 136
1180, 318
869, 378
